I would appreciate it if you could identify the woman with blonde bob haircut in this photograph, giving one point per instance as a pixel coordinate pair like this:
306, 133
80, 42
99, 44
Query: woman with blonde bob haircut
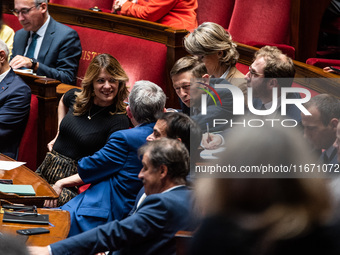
214, 46
86, 119
255, 214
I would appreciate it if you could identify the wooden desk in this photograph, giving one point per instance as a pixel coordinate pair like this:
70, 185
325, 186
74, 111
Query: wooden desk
59, 231
23, 175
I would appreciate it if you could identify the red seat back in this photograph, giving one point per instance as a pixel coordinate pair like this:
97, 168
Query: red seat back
141, 59
322, 62
260, 22
28, 145
216, 11
104, 5
11, 21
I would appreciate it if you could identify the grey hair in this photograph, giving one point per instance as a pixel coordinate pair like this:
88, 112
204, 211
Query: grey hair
40, 1
147, 101
3, 46
209, 38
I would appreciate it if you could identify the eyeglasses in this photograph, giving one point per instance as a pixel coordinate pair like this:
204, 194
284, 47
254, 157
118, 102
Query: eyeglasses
23, 11
253, 73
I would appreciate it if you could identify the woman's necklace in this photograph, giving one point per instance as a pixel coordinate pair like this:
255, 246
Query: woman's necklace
90, 117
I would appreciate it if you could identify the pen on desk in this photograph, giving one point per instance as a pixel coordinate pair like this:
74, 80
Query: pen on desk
208, 135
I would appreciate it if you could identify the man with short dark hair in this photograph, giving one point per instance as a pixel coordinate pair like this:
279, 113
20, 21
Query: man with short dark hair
44, 45
182, 73
151, 229
320, 127
179, 126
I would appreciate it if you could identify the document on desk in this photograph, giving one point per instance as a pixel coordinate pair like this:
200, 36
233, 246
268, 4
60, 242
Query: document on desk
19, 189
9, 165
212, 154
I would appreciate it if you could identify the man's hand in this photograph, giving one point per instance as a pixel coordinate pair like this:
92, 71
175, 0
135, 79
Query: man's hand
20, 61
211, 141
36, 250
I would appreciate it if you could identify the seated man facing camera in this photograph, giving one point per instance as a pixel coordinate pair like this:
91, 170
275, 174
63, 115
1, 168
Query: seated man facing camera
151, 229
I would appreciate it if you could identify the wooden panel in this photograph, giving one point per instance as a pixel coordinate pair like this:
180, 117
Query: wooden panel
45, 89
305, 21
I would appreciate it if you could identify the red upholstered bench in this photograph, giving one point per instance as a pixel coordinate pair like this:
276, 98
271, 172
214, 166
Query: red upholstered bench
141, 59
11, 21
216, 11
104, 5
28, 145
322, 62
257, 23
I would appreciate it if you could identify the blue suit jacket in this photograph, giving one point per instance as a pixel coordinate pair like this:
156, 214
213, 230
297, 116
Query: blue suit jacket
113, 172
59, 53
150, 230
15, 99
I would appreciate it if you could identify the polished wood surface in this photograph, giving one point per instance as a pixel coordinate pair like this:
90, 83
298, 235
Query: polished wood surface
59, 228
23, 175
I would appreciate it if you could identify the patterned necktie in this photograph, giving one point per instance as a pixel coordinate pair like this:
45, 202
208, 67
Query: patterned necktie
31, 48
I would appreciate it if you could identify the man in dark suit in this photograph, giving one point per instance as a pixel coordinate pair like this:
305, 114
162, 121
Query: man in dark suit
47, 47
151, 229
320, 130
182, 73
113, 170
15, 98
320, 127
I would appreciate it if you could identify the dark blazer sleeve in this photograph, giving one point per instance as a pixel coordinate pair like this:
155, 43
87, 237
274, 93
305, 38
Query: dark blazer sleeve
15, 98
60, 53
145, 224
224, 111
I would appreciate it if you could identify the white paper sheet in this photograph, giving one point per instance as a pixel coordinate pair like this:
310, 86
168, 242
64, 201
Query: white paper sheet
9, 165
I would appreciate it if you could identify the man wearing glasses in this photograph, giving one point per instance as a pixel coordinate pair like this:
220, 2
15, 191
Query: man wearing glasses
47, 47
272, 69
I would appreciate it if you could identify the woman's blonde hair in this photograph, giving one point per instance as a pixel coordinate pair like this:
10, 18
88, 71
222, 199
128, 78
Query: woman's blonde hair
209, 38
84, 99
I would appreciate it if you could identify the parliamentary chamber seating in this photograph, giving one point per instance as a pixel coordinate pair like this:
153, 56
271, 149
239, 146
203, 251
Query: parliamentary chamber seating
148, 50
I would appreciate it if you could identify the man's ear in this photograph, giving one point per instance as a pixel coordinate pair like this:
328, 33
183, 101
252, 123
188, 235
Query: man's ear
205, 75
334, 123
272, 83
163, 171
43, 7
3, 56
128, 112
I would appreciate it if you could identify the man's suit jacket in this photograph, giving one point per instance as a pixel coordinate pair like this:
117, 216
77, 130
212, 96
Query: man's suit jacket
59, 53
15, 99
224, 111
113, 174
150, 230
293, 112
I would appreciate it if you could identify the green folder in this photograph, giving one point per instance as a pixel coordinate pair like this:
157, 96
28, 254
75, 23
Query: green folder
22, 190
